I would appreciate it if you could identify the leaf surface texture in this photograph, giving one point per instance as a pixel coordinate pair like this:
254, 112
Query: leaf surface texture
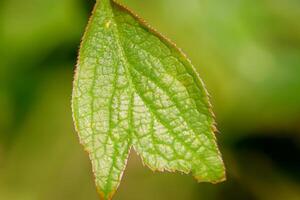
133, 88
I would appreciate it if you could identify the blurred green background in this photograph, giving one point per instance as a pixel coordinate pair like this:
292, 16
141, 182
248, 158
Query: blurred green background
246, 51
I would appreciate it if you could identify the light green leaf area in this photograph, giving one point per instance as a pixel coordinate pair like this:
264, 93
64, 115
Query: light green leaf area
133, 88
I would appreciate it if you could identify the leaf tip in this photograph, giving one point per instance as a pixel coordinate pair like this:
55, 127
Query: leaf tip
218, 176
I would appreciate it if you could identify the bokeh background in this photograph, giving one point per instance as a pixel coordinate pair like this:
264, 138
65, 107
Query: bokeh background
246, 51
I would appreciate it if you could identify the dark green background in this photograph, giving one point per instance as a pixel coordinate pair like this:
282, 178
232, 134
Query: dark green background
246, 51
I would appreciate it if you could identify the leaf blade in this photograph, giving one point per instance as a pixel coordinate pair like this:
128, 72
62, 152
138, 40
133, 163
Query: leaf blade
170, 79
94, 96
135, 88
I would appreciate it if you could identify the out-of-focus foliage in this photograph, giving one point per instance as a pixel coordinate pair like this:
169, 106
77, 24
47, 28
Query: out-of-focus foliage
247, 51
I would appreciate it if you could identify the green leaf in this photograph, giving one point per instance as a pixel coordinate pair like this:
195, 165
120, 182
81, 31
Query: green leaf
133, 88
